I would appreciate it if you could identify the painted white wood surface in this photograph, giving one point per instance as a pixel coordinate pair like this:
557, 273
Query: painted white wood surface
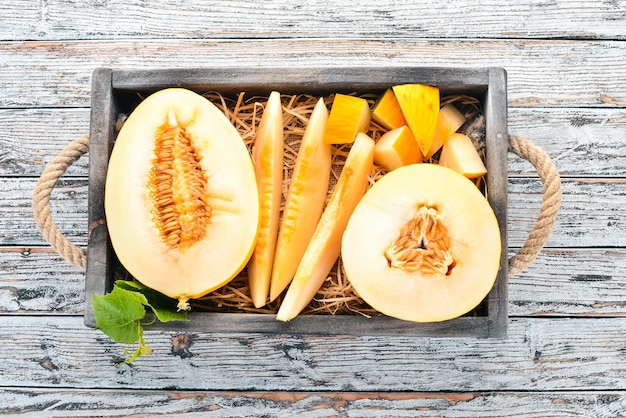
540, 72
565, 353
65, 19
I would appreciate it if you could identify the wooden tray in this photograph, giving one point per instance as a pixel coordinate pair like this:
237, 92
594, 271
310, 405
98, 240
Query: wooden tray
113, 91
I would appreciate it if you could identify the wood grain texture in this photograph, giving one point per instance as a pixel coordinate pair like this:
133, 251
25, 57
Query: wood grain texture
63, 19
538, 355
561, 282
38, 280
571, 282
68, 208
134, 403
564, 73
592, 212
581, 141
565, 352
31, 138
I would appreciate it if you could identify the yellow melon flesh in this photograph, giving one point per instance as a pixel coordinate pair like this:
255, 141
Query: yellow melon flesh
448, 122
181, 198
422, 245
349, 115
460, 155
420, 107
323, 250
305, 200
386, 111
268, 164
397, 148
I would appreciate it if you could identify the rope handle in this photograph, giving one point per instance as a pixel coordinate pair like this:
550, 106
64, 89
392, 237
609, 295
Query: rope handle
519, 262
550, 205
41, 202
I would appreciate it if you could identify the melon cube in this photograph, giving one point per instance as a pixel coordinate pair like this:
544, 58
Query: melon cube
349, 115
450, 119
420, 107
397, 148
386, 111
459, 154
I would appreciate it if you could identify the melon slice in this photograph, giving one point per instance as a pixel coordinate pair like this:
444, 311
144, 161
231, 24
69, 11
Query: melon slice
460, 155
349, 115
305, 200
386, 111
450, 119
323, 250
420, 107
397, 148
181, 199
268, 164
423, 244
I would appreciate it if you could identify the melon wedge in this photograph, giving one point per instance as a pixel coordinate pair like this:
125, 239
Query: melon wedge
305, 200
460, 155
323, 250
268, 163
397, 148
420, 107
181, 199
450, 119
349, 115
386, 111
422, 245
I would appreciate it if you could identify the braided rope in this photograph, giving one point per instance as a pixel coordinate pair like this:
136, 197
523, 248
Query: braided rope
520, 261
41, 202
549, 207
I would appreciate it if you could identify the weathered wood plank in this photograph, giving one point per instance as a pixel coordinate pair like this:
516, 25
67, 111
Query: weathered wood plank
31, 138
538, 355
540, 73
592, 212
571, 282
565, 282
131, 403
62, 19
68, 208
582, 142
38, 280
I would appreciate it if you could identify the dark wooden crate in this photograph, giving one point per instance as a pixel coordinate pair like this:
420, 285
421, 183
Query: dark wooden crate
114, 91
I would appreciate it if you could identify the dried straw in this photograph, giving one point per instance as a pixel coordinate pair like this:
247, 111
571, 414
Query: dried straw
336, 296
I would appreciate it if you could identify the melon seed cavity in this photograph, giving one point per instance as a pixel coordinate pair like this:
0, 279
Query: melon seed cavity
422, 245
178, 189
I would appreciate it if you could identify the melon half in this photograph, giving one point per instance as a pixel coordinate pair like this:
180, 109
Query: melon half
181, 199
422, 245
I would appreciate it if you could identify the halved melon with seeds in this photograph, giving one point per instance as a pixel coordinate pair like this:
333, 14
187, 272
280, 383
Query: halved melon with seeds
422, 245
181, 198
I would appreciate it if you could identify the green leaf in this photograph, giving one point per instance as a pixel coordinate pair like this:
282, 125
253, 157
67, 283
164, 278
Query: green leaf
130, 285
118, 314
165, 308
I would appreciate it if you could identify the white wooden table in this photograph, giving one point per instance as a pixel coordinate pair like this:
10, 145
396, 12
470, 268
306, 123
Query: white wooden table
565, 354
